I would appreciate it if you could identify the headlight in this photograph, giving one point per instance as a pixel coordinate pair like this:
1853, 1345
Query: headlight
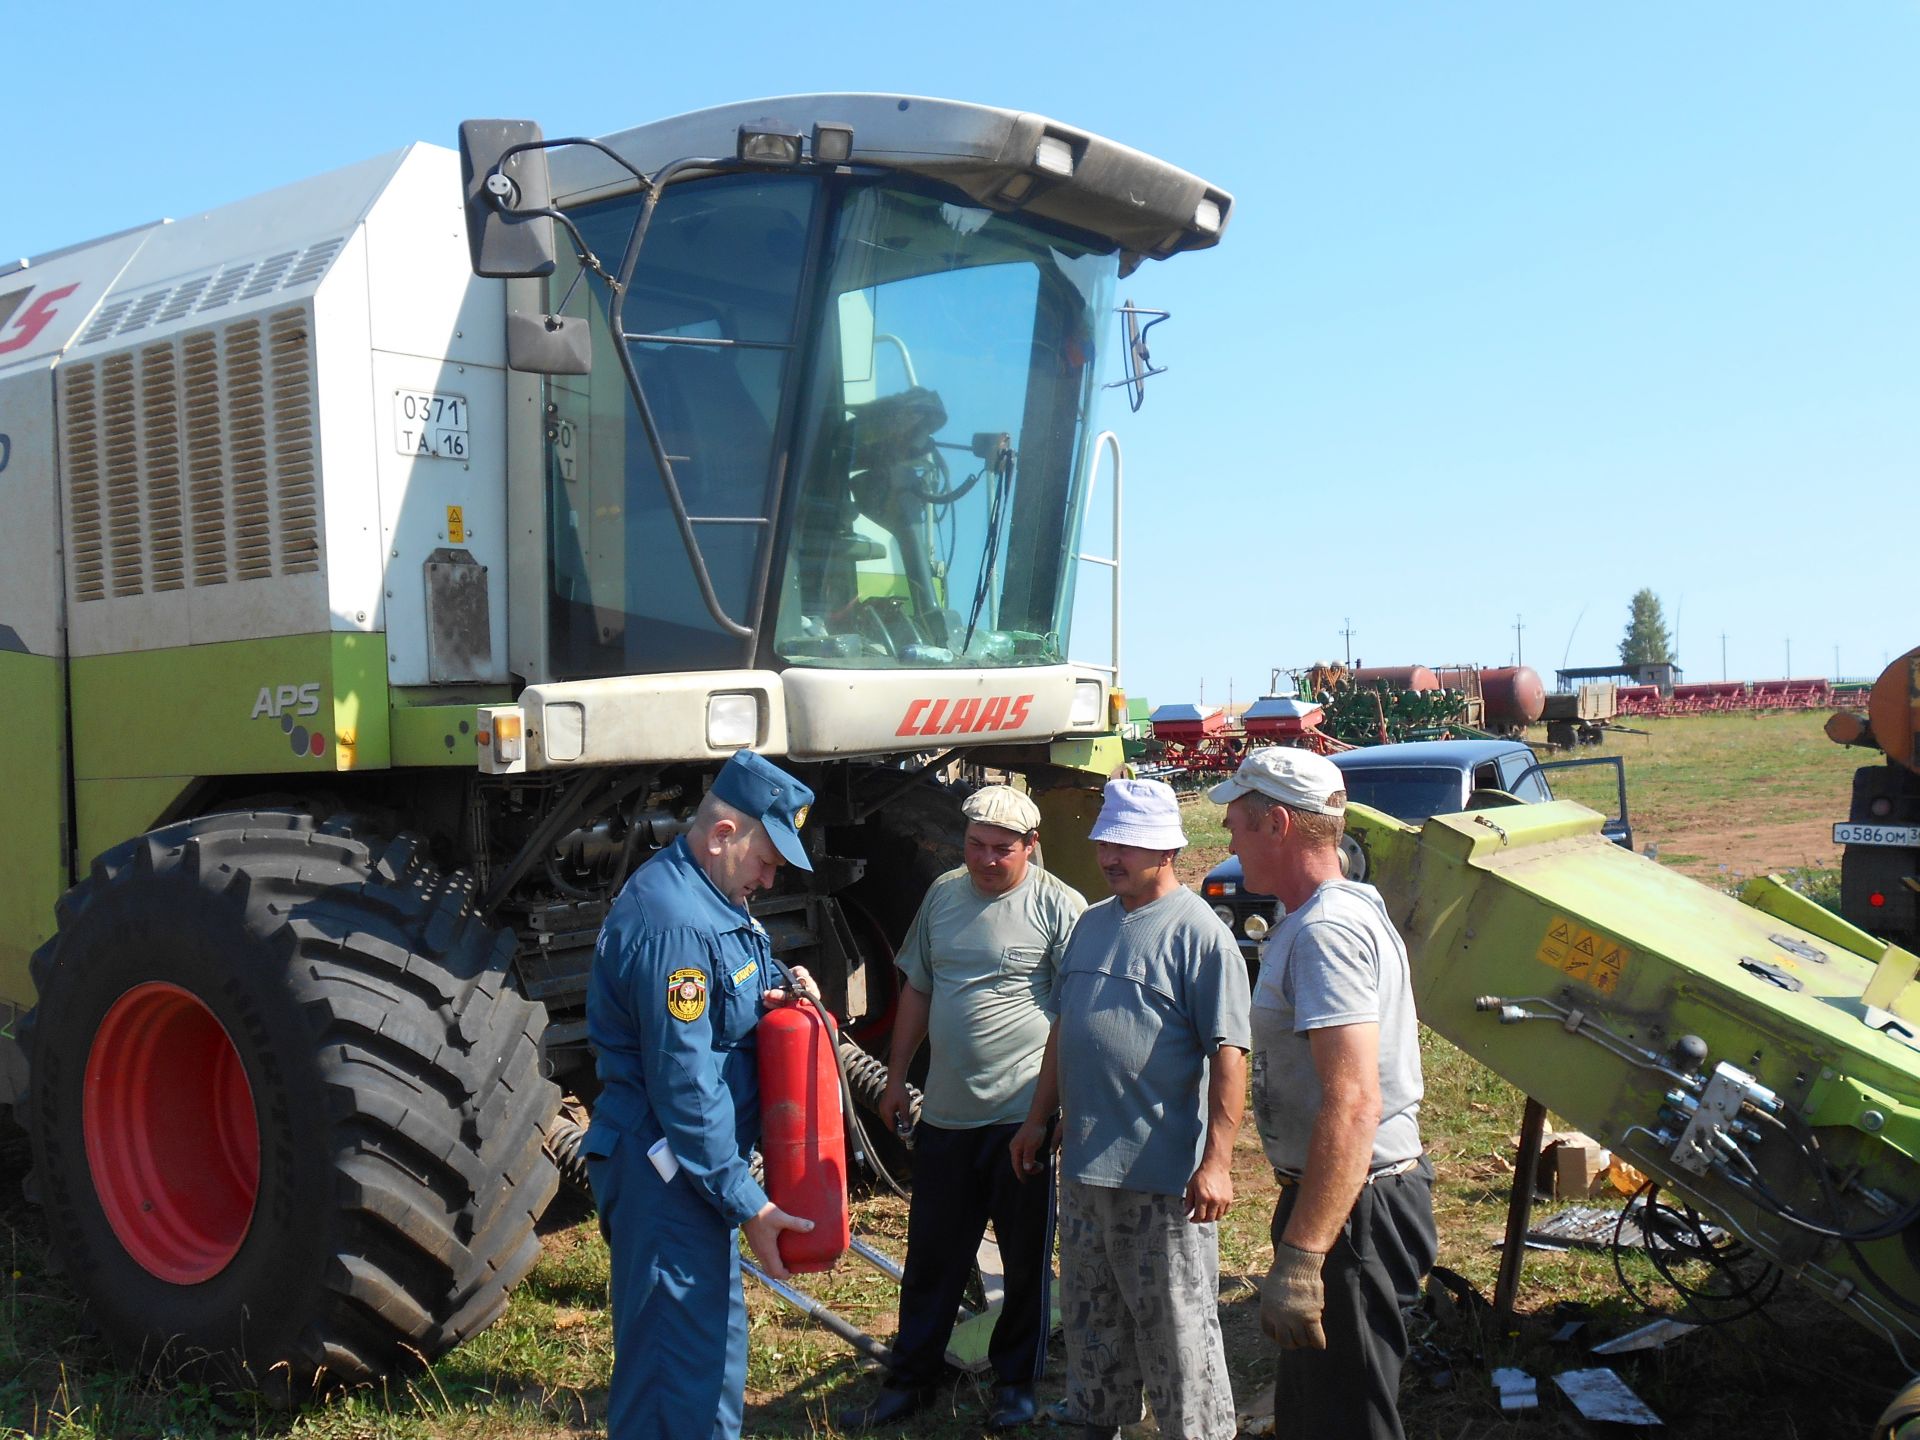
733, 721
1225, 914
1257, 927
1087, 705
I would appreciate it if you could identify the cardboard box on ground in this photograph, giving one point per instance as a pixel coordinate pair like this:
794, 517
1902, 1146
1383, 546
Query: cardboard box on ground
1572, 1166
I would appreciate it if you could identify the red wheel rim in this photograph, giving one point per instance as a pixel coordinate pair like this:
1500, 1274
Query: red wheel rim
171, 1136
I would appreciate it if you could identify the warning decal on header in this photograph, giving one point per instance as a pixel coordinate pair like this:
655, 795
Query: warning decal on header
1590, 958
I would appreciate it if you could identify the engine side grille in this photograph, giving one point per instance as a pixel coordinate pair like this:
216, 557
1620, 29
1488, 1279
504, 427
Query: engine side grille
194, 460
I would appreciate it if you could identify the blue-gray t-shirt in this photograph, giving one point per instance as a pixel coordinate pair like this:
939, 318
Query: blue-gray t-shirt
1144, 997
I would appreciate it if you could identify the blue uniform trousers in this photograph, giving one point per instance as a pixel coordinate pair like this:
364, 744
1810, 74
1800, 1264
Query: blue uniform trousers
678, 1356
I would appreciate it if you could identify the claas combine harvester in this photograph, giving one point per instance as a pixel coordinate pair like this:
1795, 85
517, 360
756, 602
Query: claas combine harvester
1758, 1057
387, 563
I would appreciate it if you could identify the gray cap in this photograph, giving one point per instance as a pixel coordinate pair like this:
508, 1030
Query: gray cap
1004, 806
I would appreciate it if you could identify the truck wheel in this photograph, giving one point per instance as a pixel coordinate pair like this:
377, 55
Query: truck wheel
285, 1102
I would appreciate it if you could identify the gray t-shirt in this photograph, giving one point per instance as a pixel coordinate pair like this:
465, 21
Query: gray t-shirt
1334, 961
987, 962
1145, 997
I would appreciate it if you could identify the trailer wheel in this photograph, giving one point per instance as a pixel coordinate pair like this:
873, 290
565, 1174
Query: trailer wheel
285, 1102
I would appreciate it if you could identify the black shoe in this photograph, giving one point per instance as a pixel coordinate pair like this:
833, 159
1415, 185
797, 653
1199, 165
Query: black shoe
1091, 1431
890, 1407
1013, 1405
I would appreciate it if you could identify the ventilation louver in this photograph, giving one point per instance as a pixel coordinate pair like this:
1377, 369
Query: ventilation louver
191, 461
198, 294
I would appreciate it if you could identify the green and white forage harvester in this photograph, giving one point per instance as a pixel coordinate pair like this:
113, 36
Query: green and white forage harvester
386, 564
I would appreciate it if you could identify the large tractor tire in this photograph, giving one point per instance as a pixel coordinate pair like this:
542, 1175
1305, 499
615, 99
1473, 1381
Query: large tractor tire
286, 1104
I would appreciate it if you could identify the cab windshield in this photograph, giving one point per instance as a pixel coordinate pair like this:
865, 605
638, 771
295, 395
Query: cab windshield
881, 469
941, 464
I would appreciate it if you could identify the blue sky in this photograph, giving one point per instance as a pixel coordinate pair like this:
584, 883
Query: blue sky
1523, 307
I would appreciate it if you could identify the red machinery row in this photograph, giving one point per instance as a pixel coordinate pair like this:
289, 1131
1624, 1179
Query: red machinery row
1718, 696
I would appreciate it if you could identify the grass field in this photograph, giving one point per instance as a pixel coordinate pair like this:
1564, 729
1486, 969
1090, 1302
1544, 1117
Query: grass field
1716, 795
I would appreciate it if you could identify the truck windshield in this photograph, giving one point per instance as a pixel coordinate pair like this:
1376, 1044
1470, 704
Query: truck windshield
938, 403
1411, 792
941, 461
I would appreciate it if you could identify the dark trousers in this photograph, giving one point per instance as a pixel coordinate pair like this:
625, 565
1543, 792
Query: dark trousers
1352, 1388
961, 1179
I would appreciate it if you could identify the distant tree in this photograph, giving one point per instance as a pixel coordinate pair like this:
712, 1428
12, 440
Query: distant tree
1647, 641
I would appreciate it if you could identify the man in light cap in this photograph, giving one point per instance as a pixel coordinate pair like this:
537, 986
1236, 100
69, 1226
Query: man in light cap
1147, 1063
1336, 1094
680, 977
977, 971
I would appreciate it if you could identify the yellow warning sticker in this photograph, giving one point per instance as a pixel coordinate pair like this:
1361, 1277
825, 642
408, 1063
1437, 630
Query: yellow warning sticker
1584, 955
456, 524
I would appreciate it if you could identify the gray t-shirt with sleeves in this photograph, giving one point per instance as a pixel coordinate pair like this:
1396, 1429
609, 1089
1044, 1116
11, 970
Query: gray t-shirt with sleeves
1336, 960
987, 964
1145, 997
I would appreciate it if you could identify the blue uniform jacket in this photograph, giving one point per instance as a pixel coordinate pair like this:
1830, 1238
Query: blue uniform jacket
671, 1010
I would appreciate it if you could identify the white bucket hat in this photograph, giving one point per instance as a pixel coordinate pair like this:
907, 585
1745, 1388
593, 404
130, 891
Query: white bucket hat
1140, 812
1296, 778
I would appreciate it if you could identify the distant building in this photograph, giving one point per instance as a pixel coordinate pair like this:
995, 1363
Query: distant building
1664, 674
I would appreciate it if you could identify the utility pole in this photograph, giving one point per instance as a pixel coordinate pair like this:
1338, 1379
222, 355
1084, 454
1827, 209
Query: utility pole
1347, 634
1517, 628
1723, 655
1836, 662
1789, 674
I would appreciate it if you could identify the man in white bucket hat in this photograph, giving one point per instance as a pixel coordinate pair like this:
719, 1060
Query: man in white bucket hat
1336, 1094
1147, 1062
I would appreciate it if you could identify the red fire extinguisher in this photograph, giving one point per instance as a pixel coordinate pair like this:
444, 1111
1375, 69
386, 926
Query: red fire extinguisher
802, 1134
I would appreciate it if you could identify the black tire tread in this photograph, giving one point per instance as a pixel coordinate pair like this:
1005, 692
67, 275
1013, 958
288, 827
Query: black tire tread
430, 1060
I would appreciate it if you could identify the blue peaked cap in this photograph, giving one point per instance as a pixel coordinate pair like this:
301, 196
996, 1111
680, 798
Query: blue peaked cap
758, 788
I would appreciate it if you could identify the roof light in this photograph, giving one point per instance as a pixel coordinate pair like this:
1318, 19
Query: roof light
766, 144
833, 144
1053, 155
1206, 216
1016, 188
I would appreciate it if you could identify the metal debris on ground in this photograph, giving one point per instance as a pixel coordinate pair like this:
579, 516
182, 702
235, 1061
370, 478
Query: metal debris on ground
1518, 1390
1592, 1227
1656, 1336
1602, 1395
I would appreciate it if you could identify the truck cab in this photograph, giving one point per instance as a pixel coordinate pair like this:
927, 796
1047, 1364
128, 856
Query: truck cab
1411, 782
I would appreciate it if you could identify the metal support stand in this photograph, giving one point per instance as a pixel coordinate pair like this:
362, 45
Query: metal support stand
1526, 1160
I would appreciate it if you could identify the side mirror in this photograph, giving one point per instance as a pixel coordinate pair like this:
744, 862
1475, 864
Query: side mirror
506, 241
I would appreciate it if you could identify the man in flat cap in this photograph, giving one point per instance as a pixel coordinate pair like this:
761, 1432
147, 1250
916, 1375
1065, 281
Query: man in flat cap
680, 977
1147, 1062
1336, 1094
977, 971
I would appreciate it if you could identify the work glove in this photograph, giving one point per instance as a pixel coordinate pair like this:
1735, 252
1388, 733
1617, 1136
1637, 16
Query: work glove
1292, 1299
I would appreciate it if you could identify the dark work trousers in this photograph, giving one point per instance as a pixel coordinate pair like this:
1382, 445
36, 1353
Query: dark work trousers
1351, 1389
961, 1179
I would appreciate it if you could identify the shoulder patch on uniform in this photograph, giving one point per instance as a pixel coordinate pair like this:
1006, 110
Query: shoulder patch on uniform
745, 970
687, 994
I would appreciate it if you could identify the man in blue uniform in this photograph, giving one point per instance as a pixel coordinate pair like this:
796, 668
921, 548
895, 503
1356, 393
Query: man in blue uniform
680, 977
